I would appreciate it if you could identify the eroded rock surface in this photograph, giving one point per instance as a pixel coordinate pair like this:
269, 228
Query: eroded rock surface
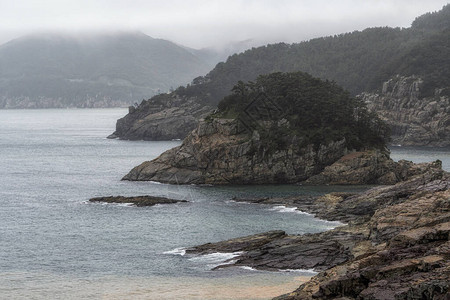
217, 152
172, 118
395, 246
415, 121
138, 200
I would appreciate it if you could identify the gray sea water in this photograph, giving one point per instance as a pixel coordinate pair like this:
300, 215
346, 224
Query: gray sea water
56, 245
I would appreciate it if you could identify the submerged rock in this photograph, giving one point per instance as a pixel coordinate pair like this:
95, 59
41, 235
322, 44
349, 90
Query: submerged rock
137, 200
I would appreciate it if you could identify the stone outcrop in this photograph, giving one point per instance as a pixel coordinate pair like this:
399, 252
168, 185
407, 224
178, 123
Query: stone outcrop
247, 243
137, 200
414, 121
395, 246
374, 167
155, 120
217, 152
408, 257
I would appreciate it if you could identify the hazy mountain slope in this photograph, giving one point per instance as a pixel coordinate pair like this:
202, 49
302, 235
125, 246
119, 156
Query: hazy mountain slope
359, 61
52, 70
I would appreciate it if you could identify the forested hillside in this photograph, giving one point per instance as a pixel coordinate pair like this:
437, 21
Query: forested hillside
359, 61
315, 111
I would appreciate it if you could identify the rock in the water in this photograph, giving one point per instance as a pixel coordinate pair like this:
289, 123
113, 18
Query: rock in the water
247, 243
138, 200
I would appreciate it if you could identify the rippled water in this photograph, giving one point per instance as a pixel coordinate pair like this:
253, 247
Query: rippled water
54, 244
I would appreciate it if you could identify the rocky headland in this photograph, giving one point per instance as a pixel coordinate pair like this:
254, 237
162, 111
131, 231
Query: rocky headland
137, 200
289, 133
164, 117
217, 153
414, 120
395, 244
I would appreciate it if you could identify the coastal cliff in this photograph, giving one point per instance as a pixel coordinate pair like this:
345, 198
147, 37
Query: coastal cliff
414, 120
285, 128
164, 117
395, 244
217, 153
404, 250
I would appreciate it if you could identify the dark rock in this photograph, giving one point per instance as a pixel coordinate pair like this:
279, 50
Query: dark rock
138, 200
315, 251
247, 243
216, 153
154, 120
409, 251
396, 245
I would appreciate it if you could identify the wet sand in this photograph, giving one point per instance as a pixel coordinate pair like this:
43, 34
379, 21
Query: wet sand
241, 287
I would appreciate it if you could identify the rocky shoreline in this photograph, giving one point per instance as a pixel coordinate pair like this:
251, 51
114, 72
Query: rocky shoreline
414, 120
137, 200
395, 244
216, 152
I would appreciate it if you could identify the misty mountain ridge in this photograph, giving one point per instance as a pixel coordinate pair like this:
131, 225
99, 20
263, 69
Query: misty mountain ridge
91, 70
213, 55
360, 61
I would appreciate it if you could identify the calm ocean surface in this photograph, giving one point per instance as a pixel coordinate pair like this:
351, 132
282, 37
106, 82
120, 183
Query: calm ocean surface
55, 245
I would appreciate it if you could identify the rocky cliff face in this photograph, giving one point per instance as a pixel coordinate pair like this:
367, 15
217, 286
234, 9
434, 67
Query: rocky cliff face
171, 119
216, 152
414, 121
404, 252
395, 246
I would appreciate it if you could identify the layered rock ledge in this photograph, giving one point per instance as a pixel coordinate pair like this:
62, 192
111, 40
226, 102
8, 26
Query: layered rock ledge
414, 120
172, 118
137, 200
217, 152
395, 245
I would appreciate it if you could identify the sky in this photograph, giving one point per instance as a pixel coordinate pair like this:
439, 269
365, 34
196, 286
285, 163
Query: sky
210, 23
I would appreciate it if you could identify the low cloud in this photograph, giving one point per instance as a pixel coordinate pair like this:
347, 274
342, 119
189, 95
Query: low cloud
201, 23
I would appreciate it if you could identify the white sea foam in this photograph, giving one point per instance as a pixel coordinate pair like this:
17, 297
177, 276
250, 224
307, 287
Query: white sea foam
109, 203
216, 257
247, 268
285, 209
125, 204
176, 251
307, 271
238, 202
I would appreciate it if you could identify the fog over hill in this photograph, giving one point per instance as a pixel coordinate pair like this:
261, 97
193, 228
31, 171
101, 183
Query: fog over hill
92, 70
